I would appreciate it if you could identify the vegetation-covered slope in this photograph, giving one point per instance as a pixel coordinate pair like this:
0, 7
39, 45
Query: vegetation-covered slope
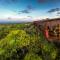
21, 42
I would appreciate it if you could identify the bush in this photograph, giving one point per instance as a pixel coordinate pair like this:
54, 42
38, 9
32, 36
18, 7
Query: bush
32, 56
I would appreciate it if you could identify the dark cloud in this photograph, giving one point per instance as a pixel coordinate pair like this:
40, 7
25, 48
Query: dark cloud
23, 11
54, 10
28, 9
57, 10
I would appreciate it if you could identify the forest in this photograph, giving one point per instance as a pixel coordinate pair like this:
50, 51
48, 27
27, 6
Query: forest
22, 42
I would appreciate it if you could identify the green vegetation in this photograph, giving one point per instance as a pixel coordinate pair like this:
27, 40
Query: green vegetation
21, 42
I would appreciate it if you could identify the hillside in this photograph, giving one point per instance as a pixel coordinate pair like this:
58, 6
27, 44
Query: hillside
24, 42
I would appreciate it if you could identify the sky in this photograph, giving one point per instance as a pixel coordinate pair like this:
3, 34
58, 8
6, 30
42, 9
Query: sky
17, 10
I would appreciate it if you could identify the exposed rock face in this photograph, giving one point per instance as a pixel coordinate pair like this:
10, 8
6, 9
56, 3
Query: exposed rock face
51, 27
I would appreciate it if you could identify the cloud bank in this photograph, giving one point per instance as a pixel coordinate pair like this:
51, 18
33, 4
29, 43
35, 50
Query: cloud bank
54, 10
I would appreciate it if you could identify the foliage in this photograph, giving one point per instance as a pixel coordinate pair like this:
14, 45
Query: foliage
15, 39
23, 42
32, 56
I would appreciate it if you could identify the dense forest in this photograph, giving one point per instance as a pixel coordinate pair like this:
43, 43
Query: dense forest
22, 42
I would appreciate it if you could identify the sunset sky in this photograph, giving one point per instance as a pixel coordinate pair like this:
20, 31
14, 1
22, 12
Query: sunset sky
16, 10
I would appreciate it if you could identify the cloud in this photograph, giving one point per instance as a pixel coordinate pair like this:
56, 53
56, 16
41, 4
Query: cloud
28, 9
58, 13
54, 10
23, 11
29, 16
